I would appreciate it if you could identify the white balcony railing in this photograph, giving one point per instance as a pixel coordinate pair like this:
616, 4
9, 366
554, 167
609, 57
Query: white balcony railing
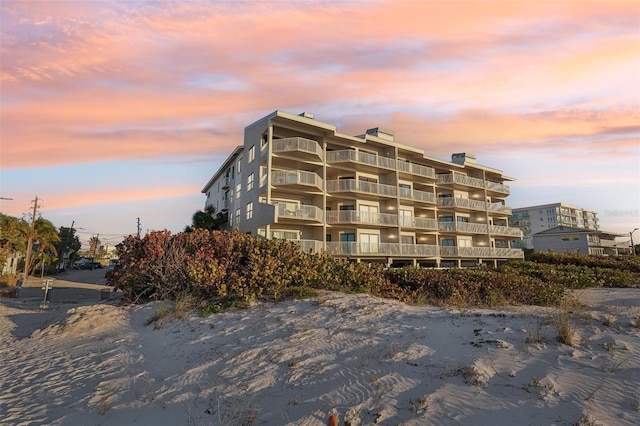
351, 155
353, 185
476, 228
497, 187
296, 177
293, 211
367, 218
505, 231
482, 252
462, 202
416, 169
412, 194
418, 222
297, 144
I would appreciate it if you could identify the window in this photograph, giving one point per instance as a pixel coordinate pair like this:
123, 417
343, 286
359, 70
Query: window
250, 182
238, 190
238, 165
447, 242
347, 207
252, 154
249, 210
463, 219
237, 216
347, 237
369, 243
406, 239
264, 141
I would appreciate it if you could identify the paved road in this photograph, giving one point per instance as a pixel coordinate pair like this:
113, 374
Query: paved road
76, 286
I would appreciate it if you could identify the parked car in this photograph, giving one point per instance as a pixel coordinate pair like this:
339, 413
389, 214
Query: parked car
90, 265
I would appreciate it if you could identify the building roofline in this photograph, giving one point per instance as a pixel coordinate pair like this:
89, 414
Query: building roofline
223, 166
561, 229
560, 204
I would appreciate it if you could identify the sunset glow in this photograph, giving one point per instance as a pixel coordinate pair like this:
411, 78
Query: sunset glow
112, 110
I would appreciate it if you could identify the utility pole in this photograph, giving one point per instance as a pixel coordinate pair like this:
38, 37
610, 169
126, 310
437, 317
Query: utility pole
138, 227
27, 259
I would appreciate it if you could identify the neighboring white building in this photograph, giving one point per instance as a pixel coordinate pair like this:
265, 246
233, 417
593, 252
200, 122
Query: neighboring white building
565, 239
534, 219
366, 198
10, 267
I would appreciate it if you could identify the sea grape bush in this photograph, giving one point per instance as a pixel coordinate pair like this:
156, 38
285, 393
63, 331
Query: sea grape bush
219, 265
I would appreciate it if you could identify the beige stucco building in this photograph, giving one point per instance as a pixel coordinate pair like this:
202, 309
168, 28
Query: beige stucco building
366, 198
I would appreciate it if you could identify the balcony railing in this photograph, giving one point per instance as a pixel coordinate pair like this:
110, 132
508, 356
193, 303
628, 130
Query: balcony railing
418, 222
482, 252
351, 155
290, 210
505, 230
353, 216
499, 208
461, 179
462, 202
313, 246
477, 228
296, 177
412, 194
297, 144
353, 248
353, 185
497, 187
416, 169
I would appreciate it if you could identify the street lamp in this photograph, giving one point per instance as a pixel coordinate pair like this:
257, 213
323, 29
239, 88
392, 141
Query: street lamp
633, 248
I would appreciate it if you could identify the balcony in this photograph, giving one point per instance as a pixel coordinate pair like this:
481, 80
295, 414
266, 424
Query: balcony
499, 208
381, 249
415, 195
468, 227
418, 223
298, 212
226, 181
296, 177
462, 203
353, 156
497, 187
482, 252
363, 187
505, 231
416, 169
310, 246
303, 146
460, 179
363, 218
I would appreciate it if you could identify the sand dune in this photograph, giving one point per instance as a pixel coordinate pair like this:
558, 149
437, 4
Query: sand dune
368, 360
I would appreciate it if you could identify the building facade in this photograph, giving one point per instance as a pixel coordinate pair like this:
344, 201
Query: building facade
567, 239
534, 219
365, 198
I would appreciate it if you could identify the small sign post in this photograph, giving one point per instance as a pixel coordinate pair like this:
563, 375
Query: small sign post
46, 287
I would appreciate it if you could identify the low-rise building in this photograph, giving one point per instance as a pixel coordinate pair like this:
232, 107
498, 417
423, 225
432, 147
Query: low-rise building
566, 239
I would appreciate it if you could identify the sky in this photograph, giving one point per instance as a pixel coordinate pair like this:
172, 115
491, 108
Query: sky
119, 111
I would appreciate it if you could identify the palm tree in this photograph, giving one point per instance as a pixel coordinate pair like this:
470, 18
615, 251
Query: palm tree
13, 236
94, 243
46, 236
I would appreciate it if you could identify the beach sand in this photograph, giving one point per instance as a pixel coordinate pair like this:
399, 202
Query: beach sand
369, 360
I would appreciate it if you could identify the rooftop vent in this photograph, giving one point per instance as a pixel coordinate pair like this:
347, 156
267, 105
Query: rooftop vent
463, 157
381, 133
307, 115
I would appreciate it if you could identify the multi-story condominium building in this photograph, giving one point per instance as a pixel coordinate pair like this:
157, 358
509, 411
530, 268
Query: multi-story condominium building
534, 219
365, 198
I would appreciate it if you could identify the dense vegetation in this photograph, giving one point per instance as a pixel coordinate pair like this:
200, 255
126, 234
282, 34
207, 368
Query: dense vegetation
216, 267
